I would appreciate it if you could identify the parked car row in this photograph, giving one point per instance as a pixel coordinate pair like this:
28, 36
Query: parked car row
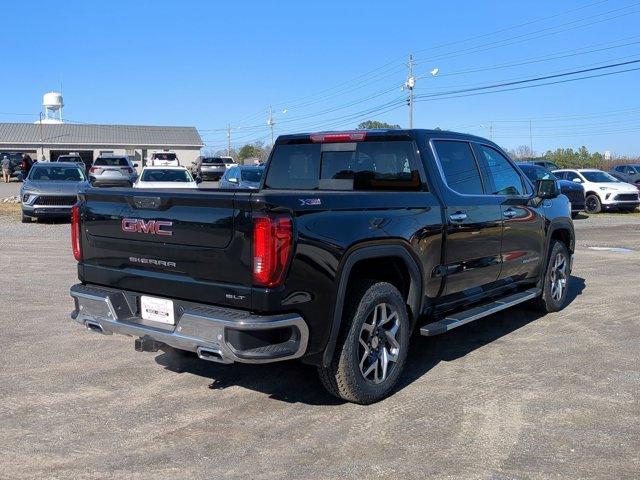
597, 190
51, 187
573, 191
602, 191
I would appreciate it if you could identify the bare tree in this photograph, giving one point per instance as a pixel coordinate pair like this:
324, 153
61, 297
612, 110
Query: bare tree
522, 152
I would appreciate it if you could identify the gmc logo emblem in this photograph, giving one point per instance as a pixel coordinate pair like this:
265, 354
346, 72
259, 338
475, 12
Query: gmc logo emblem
152, 227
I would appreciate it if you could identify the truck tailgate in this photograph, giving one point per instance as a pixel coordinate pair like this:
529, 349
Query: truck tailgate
194, 245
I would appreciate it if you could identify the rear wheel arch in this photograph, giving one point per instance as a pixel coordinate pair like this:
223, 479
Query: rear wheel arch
396, 265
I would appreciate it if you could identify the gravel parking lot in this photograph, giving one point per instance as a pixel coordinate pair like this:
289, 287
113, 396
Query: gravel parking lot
514, 395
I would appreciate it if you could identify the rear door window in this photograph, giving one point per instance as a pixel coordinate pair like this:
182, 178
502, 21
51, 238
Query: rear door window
459, 166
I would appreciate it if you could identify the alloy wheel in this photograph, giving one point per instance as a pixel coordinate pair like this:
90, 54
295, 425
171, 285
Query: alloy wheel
379, 346
591, 204
558, 276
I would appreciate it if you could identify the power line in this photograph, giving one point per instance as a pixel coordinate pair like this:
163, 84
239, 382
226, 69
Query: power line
544, 32
425, 97
513, 27
395, 64
546, 58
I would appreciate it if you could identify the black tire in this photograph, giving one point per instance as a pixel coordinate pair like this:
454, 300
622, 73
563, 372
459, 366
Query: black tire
25, 219
344, 376
549, 301
592, 204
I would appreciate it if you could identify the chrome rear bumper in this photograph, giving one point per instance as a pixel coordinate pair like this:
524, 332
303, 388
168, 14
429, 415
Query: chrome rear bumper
217, 334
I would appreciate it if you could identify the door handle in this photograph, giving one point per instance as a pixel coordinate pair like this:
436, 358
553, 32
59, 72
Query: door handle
458, 217
509, 213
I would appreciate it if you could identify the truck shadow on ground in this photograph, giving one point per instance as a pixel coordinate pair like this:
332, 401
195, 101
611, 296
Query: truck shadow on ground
296, 382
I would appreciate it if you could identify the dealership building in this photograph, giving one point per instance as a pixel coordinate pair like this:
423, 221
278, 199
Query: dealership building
47, 141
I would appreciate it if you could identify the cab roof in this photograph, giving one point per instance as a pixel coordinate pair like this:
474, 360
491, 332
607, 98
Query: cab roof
363, 135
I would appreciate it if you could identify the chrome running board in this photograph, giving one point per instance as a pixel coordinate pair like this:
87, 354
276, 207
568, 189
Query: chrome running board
460, 318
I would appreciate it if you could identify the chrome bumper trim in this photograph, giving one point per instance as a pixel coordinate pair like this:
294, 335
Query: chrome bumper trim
198, 327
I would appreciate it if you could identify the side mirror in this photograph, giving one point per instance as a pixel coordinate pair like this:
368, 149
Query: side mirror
198, 179
135, 165
547, 188
577, 180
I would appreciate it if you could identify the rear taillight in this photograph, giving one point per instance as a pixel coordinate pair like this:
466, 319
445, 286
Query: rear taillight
338, 137
75, 233
95, 170
272, 246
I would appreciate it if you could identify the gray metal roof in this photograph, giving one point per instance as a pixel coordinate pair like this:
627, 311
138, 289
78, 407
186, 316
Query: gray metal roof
81, 134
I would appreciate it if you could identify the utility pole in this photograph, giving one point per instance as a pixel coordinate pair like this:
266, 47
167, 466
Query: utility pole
271, 123
228, 140
530, 138
41, 140
410, 83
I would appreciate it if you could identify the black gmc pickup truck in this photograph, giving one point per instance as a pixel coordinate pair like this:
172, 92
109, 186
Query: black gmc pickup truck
354, 240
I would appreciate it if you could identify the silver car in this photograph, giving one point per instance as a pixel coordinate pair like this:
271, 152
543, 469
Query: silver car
209, 168
243, 177
113, 171
627, 173
50, 190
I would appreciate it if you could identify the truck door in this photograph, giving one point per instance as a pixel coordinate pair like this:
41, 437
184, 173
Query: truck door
523, 235
473, 221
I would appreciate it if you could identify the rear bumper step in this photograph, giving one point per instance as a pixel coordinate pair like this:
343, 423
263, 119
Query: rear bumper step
216, 334
460, 318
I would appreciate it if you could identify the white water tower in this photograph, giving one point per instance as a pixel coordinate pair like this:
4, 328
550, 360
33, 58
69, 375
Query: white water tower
53, 104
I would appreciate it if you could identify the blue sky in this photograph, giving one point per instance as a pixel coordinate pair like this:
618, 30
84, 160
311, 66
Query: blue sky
207, 64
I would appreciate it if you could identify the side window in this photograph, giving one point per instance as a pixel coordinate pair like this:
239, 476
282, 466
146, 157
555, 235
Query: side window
505, 178
459, 167
571, 176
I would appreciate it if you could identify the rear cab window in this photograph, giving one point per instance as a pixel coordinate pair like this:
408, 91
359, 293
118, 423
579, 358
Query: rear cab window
351, 166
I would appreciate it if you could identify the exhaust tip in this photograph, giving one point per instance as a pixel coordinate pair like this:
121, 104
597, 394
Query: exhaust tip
94, 326
210, 354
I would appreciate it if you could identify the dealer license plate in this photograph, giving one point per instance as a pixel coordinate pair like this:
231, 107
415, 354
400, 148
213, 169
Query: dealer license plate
157, 309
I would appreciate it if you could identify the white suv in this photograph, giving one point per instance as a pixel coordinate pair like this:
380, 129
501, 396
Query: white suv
602, 191
229, 162
163, 159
